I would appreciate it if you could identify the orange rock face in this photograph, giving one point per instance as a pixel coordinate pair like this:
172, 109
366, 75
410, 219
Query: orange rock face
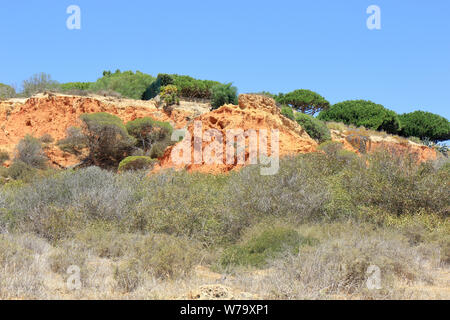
255, 115
365, 144
54, 114
206, 133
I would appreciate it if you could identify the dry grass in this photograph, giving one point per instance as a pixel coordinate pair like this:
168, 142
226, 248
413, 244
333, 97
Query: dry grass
160, 267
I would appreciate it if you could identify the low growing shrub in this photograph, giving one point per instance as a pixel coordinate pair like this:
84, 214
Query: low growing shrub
288, 112
266, 245
107, 138
136, 163
30, 151
316, 129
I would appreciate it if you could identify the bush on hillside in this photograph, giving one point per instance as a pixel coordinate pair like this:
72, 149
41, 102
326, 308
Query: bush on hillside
39, 83
187, 86
223, 94
74, 142
19, 170
265, 245
363, 113
74, 86
148, 132
4, 156
396, 184
154, 88
169, 96
6, 92
136, 163
128, 84
305, 101
46, 138
107, 139
316, 129
30, 151
288, 112
425, 125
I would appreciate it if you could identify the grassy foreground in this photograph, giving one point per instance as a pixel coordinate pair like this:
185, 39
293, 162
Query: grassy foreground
311, 231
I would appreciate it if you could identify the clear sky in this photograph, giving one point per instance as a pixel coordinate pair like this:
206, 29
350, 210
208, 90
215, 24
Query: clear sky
275, 46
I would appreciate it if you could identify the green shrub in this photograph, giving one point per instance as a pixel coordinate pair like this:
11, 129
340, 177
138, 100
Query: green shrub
136, 163
19, 170
339, 126
415, 140
128, 84
187, 86
46, 138
74, 142
423, 125
6, 92
165, 256
105, 241
305, 101
70, 86
363, 113
396, 184
29, 151
69, 253
107, 139
128, 275
331, 148
154, 88
158, 149
339, 265
4, 156
223, 94
257, 250
182, 204
169, 95
316, 129
39, 83
288, 112
338, 156
10, 250
149, 132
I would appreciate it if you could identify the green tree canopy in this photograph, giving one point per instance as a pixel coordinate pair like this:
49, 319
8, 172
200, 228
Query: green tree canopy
363, 113
305, 101
187, 86
128, 84
223, 94
6, 91
425, 125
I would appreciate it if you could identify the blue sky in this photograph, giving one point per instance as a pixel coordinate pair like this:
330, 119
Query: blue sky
275, 46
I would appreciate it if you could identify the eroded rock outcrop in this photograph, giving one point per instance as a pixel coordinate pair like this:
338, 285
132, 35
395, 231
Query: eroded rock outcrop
255, 113
54, 114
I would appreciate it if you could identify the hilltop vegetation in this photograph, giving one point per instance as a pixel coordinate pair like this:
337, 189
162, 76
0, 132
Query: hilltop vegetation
137, 85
